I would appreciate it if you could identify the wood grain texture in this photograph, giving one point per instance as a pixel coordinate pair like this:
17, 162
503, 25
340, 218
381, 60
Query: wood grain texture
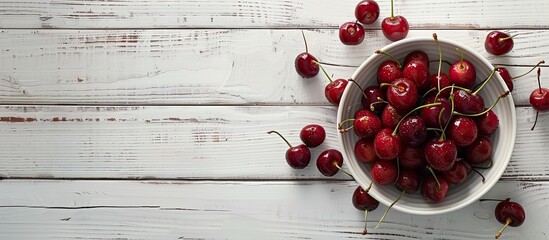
258, 14
240, 210
223, 142
120, 67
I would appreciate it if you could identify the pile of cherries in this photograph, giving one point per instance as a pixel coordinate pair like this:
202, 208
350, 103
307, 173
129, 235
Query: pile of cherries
422, 131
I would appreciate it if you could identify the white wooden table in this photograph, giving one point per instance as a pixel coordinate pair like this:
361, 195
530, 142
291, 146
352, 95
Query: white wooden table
146, 119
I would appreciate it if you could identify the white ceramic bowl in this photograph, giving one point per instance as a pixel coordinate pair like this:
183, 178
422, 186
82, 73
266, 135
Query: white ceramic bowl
503, 140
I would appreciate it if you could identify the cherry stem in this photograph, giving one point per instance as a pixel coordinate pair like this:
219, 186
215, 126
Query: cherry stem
482, 176
390, 56
440, 118
380, 100
343, 170
485, 82
340, 125
368, 188
283, 138
439, 60
461, 57
305, 40
539, 82
435, 176
443, 135
365, 222
485, 111
413, 110
323, 70
507, 222
490, 200
434, 129
392, 12
500, 40
529, 71
389, 208
535, 121
452, 87
359, 87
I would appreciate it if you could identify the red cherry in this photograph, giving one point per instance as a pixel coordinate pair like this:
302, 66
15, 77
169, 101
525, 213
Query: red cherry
509, 213
417, 55
395, 28
367, 126
298, 157
388, 72
444, 82
413, 131
364, 151
363, 201
327, 160
384, 172
418, 72
403, 95
498, 43
306, 65
504, 73
411, 157
367, 11
457, 173
407, 181
480, 151
371, 97
312, 135
334, 91
467, 102
351, 33
431, 191
431, 114
462, 73
539, 99
487, 123
390, 117
462, 130
440, 154
386, 145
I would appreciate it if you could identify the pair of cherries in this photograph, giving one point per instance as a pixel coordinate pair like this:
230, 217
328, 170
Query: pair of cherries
394, 27
329, 162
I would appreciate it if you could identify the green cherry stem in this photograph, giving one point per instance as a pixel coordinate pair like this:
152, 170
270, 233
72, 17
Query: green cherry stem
365, 222
501, 40
323, 70
392, 11
440, 118
485, 82
389, 55
461, 58
341, 169
413, 110
340, 125
389, 208
368, 188
485, 111
305, 40
452, 87
529, 71
443, 135
280, 135
439, 60
507, 222
435, 176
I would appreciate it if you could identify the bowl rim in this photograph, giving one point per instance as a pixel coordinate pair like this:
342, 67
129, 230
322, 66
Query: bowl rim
353, 165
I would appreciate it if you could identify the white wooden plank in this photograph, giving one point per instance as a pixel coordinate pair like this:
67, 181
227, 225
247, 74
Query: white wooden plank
202, 66
240, 210
192, 142
272, 14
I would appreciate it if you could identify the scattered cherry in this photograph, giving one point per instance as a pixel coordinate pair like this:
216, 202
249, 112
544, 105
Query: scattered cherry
498, 43
364, 202
329, 162
539, 99
351, 33
305, 63
334, 90
508, 213
298, 157
367, 11
395, 27
312, 135
506, 76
